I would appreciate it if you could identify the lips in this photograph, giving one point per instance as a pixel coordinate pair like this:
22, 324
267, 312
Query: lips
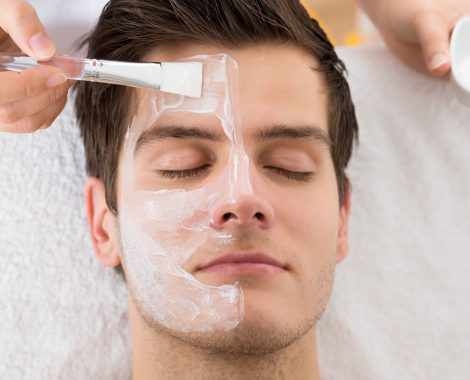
243, 262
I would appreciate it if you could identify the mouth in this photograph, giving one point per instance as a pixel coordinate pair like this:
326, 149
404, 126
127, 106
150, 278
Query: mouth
243, 262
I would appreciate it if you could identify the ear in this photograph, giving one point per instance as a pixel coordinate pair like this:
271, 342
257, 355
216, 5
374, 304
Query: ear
102, 224
343, 238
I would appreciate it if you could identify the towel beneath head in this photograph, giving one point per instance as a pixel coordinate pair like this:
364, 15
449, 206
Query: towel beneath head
401, 296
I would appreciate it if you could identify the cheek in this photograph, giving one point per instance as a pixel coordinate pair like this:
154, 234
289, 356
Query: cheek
315, 220
311, 219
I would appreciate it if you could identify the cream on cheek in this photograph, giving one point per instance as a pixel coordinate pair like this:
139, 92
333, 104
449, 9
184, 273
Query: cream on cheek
165, 223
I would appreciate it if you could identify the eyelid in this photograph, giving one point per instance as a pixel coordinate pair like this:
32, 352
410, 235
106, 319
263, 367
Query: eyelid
186, 173
292, 175
180, 157
295, 158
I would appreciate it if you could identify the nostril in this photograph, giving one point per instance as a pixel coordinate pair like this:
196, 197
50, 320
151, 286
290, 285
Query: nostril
242, 218
259, 216
228, 215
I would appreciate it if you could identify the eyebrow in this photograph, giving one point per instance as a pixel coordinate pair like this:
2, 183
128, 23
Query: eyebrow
281, 131
167, 132
278, 131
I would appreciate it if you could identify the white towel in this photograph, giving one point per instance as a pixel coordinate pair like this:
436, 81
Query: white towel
401, 299
400, 304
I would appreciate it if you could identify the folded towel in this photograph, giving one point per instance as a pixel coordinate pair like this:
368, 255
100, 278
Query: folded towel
63, 315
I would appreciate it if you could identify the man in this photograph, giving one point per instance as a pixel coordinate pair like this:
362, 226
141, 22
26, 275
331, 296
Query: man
298, 126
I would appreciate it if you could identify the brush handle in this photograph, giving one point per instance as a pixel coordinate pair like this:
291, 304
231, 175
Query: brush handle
72, 68
182, 78
134, 74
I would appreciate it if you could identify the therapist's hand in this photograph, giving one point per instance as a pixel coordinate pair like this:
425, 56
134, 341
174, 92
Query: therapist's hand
32, 99
418, 31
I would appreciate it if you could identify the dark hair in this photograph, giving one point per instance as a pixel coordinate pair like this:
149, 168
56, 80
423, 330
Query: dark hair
129, 29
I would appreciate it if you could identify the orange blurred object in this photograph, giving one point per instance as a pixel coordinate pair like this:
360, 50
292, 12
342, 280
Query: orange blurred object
314, 15
338, 18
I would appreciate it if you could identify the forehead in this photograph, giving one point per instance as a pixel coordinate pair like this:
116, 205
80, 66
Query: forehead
277, 83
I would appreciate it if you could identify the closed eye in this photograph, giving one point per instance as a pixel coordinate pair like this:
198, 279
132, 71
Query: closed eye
187, 173
292, 175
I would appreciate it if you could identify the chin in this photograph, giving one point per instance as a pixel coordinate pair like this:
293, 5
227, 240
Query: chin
276, 314
259, 333
255, 335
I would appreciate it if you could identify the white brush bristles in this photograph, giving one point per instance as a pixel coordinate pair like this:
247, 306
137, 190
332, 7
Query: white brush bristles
183, 78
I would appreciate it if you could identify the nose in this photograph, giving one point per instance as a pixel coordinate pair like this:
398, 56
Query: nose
244, 210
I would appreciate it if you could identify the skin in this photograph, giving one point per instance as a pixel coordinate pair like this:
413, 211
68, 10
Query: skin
417, 31
277, 337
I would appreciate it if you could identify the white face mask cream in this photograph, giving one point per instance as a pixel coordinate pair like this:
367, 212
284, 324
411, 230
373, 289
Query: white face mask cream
165, 223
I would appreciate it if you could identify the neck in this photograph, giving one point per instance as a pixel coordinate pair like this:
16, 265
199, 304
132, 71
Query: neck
157, 355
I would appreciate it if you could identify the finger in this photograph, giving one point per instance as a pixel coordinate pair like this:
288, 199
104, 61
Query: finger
409, 53
433, 30
17, 86
21, 22
36, 121
15, 111
60, 106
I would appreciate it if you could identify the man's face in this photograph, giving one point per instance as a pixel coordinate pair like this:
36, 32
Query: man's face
291, 214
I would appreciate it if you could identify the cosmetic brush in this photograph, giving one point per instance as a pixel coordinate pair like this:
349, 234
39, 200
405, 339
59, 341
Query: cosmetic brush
183, 78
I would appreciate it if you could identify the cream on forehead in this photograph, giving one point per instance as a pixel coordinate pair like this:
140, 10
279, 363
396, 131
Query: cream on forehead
161, 229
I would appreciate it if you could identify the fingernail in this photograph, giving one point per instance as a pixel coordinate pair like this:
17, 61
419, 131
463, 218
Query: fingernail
43, 47
56, 79
437, 61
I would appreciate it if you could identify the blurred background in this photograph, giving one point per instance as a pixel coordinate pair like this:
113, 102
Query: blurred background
343, 20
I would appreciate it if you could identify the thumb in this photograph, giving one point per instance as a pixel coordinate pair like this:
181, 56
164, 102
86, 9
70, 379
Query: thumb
432, 29
19, 19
